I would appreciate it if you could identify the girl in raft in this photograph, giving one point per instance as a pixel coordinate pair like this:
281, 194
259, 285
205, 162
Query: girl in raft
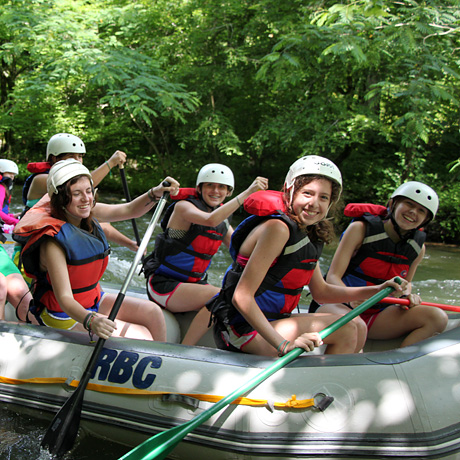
67, 253
276, 252
13, 288
62, 146
382, 243
194, 228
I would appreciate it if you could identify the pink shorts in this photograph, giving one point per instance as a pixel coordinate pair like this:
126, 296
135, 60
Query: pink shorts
236, 338
370, 315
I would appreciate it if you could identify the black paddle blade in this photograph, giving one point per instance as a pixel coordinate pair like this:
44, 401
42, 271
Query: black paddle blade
62, 432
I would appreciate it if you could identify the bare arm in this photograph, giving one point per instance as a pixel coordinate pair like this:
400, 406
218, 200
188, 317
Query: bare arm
324, 292
37, 187
186, 213
115, 236
265, 244
414, 299
136, 208
117, 159
228, 236
52, 259
351, 241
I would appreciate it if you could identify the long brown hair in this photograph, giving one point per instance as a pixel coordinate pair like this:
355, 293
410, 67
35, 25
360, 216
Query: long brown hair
60, 200
324, 229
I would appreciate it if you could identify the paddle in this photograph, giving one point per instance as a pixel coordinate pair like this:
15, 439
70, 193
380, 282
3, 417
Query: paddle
160, 445
62, 431
128, 199
394, 300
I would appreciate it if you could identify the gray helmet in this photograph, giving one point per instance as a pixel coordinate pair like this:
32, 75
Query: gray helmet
64, 143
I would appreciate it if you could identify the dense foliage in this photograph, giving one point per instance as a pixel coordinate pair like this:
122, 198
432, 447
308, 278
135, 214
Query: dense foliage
371, 84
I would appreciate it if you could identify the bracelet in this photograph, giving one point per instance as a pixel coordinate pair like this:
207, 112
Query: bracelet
108, 166
238, 200
89, 321
152, 196
85, 321
283, 351
280, 345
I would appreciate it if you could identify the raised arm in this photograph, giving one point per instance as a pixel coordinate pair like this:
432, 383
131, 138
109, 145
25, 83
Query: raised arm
185, 212
117, 159
136, 208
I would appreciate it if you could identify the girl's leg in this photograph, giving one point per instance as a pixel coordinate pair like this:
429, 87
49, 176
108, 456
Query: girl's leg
344, 340
137, 318
341, 309
417, 323
19, 296
190, 297
198, 327
3, 294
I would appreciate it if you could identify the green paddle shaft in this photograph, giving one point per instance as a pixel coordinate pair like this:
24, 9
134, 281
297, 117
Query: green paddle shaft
160, 445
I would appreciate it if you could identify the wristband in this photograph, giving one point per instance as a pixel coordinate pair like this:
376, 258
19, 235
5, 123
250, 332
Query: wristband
89, 321
152, 196
108, 166
278, 348
85, 321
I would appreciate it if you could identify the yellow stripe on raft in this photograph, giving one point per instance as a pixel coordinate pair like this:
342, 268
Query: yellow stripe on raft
292, 403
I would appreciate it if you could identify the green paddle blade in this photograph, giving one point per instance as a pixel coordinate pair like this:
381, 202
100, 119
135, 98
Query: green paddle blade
160, 445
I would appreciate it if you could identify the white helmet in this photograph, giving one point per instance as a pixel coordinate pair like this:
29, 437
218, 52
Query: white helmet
313, 164
420, 193
63, 171
8, 166
216, 173
64, 143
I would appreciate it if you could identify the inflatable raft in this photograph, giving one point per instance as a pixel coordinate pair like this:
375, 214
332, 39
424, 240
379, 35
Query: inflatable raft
400, 403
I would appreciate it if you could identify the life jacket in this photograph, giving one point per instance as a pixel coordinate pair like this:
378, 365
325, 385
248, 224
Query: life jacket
379, 258
34, 168
86, 255
6, 182
186, 259
280, 290
6, 206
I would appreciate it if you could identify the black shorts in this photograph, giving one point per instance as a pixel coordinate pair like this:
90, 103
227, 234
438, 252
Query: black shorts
161, 288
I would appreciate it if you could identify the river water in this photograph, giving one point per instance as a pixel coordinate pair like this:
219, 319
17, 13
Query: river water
437, 279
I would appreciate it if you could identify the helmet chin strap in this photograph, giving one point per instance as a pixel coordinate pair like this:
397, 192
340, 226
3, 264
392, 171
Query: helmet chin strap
397, 228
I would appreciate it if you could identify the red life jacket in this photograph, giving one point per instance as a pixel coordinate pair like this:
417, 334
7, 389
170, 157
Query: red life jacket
186, 259
39, 167
379, 258
358, 209
280, 290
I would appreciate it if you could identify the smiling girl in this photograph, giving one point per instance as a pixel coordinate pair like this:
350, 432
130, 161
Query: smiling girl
376, 248
276, 252
194, 228
67, 253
